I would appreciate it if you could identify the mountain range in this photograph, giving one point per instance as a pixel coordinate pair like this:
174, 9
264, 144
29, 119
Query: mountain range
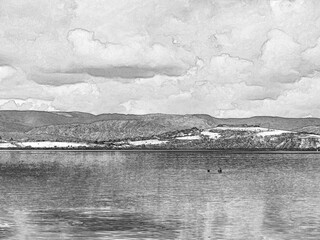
86, 127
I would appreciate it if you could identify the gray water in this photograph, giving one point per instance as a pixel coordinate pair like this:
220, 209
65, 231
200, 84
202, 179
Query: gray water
159, 195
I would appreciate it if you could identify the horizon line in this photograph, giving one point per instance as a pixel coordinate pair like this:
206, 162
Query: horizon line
158, 113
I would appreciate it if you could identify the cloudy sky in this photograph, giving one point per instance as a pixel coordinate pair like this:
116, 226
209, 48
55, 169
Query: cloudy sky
226, 58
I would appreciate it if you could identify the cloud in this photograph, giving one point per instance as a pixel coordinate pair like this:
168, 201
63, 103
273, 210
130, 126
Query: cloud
6, 72
226, 58
138, 57
299, 101
312, 55
15, 85
280, 53
28, 104
227, 69
131, 72
84, 96
56, 79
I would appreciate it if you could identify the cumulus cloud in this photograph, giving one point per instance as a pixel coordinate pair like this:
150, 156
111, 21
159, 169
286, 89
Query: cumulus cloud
28, 104
6, 72
312, 55
227, 69
73, 97
137, 57
300, 100
226, 58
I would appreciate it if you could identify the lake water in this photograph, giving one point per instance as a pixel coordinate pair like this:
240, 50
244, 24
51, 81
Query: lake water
159, 195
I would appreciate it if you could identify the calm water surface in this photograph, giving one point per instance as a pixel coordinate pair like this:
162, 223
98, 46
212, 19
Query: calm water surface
159, 195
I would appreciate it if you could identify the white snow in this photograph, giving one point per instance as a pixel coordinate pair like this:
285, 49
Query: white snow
5, 225
147, 142
7, 145
211, 135
251, 129
272, 133
63, 114
259, 130
311, 136
48, 144
189, 138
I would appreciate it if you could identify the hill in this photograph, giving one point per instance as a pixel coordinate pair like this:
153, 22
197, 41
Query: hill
86, 127
231, 138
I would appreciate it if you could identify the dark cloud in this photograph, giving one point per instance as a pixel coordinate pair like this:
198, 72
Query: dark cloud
129, 72
80, 75
57, 79
4, 60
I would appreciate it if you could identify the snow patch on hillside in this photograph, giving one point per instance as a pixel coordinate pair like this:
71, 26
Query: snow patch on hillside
147, 142
7, 145
189, 138
64, 114
311, 136
272, 133
47, 144
259, 130
251, 129
211, 135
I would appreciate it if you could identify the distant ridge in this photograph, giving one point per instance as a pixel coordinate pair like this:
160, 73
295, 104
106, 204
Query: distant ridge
83, 126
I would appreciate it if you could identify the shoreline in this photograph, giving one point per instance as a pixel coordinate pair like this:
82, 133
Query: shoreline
229, 151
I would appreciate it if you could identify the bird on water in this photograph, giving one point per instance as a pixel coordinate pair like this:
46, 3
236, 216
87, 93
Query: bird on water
219, 170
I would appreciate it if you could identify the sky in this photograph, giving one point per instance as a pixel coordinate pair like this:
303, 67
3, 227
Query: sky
226, 58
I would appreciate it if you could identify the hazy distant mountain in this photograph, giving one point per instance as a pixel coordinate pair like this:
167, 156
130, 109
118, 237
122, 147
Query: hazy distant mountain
22, 121
37, 125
